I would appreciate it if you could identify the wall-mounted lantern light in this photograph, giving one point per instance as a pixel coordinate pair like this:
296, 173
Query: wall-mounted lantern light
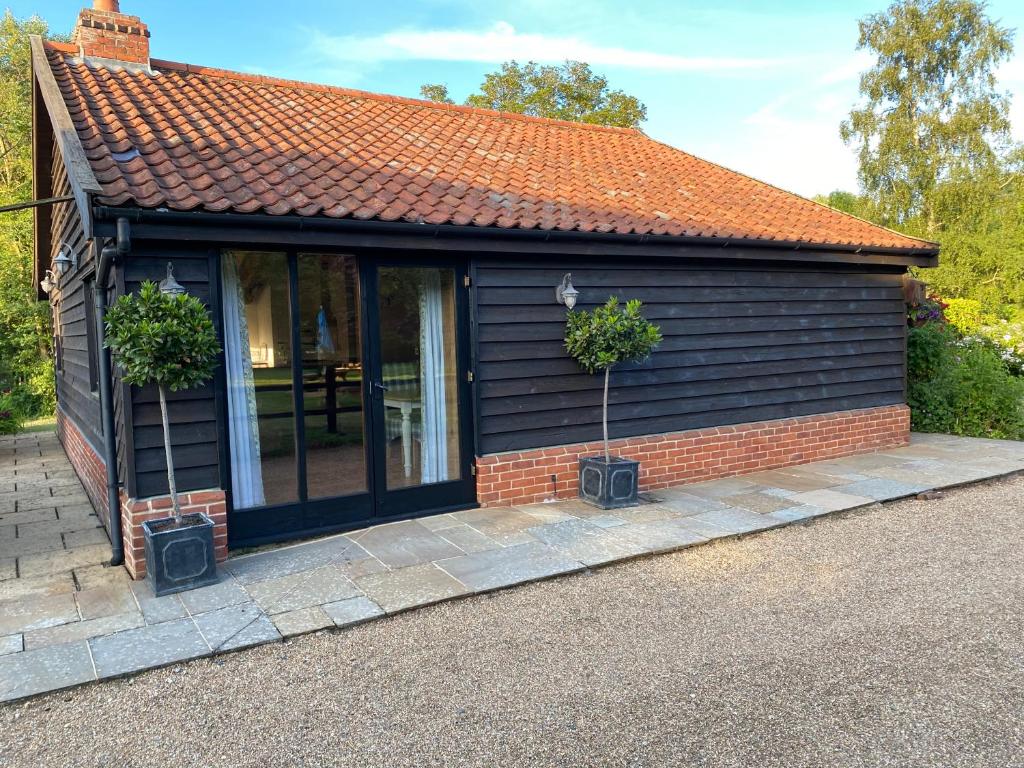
64, 263
565, 293
169, 286
49, 282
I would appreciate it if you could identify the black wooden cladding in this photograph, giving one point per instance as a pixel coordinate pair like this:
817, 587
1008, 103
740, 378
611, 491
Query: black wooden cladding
192, 413
73, 381
741, 343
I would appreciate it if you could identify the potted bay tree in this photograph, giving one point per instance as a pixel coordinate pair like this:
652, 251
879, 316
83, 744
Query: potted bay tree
165, 337
598, 340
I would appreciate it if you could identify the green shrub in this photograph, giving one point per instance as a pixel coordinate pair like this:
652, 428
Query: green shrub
609, 335
162, 339
961, 386
10, 417
967, 315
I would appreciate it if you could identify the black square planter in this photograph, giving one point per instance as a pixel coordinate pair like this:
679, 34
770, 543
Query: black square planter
180, 557
609, 484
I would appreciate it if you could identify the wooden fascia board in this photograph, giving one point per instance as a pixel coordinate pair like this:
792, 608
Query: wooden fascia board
238, 235
80, 176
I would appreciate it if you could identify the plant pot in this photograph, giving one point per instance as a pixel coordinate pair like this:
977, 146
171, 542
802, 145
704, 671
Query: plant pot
180, 557
609, 484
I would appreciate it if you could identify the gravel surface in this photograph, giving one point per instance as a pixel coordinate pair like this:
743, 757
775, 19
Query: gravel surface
890, 637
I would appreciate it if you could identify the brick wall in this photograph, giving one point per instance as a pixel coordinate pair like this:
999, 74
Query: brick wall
112, 35
526, 476
134, 512
90, 468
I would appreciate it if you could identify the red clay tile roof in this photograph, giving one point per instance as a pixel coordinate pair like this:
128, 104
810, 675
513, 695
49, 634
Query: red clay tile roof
191, 138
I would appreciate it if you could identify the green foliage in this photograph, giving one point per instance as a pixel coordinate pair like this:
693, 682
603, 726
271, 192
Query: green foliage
436, 92
967, 315
160, 339
849, 202
570, 91
935, 153
610, 334
25, 337
961, 386
10, 415
932, 125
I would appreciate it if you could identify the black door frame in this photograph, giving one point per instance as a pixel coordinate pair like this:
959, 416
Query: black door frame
305, 518
405, 502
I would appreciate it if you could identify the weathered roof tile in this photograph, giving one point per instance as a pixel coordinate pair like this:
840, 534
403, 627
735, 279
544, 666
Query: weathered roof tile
204, 139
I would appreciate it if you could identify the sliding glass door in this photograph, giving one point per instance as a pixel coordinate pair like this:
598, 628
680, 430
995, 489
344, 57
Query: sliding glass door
346, 391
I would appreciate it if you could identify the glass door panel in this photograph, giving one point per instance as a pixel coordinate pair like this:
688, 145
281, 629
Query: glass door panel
260, 392
419, 382
332, 375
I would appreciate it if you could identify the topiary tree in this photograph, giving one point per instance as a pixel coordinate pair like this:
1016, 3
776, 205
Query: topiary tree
609, 335
163, 339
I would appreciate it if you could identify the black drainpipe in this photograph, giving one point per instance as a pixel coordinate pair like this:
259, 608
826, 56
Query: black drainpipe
109, 256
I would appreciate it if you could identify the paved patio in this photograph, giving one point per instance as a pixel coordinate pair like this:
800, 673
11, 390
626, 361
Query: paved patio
53, 636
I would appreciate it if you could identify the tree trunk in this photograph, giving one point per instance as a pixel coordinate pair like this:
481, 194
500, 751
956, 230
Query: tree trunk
604, 419
170, 461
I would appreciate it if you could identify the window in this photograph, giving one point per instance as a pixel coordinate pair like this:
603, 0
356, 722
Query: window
91, 335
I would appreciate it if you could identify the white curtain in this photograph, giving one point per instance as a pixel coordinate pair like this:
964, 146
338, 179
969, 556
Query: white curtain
434, 437
246, 471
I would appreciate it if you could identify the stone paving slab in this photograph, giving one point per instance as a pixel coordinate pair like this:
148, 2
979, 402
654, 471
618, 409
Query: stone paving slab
221, 595
82, 630
591, 544
355, 610
410, 587
59, 628
302, 621
45, 669
667, 535
11, 644
237, 626
302, 590
483, 571
399, 545
37, 613
147, 647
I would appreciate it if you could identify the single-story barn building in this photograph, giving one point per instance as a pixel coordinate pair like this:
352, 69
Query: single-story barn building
381, 273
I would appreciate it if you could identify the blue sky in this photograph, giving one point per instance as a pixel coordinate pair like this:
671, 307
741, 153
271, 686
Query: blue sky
756, 86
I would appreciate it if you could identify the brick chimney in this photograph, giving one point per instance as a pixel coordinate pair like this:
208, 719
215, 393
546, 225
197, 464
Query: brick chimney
104, 32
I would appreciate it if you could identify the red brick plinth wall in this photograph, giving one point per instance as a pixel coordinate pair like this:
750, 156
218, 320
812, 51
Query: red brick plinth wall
525, 477
89, 467
134, 512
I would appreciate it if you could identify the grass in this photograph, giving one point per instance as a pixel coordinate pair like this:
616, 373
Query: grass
43, 424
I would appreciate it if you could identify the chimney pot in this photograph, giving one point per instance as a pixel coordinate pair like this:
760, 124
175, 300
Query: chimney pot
106, 5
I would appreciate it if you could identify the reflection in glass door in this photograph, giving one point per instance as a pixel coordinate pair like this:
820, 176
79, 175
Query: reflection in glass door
258, 366
292, 345
332, 375
419, 383
335, 418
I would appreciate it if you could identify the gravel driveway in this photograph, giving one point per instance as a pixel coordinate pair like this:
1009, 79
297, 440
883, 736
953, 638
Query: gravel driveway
891, 637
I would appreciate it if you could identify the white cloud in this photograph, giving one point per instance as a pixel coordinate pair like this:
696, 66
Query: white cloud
850, 69
502, 42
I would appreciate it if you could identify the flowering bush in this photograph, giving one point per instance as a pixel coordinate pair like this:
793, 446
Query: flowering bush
931, 310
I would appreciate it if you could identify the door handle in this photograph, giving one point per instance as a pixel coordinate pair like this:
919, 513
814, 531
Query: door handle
381, 387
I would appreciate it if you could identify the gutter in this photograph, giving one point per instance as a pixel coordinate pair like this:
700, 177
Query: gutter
325, 224
110, 255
